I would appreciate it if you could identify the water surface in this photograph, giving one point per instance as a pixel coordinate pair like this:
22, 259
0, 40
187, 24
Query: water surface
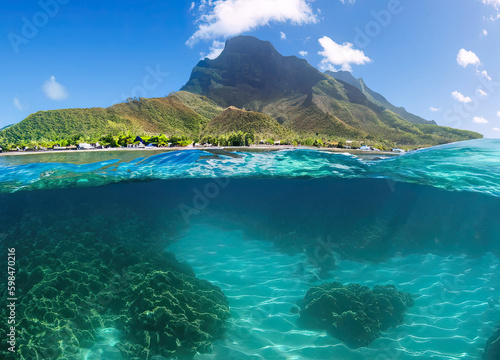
264, 227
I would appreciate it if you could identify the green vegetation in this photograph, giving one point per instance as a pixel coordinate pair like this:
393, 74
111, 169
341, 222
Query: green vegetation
248, 94
444, 135
251, 74
376, 98
173, 117
234, 120
200, 104
230, 139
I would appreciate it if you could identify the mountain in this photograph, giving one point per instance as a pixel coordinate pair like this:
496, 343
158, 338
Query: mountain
233, 120
251, 71
251, 74
346, 77
251, 88
181, 113
376, 98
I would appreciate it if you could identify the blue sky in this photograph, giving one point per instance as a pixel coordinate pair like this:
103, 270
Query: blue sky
437, 58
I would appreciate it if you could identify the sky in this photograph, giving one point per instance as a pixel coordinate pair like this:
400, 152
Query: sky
437, 58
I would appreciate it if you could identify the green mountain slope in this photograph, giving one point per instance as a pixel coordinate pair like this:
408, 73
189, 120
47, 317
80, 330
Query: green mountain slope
251, 74
178, 114
233, 120
377, 98
199, 104
252, 89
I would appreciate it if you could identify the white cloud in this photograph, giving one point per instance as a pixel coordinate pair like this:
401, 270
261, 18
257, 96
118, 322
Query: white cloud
493, 17
465, 58
485, 32
460, 97
225, 18
191, 8
433, 109
498, 113
282, 35
53, 90
340, 55
495, 129
215, 50
17, 103
484, 74
481, 92
303, 53
495, 3
348, 1
480, 120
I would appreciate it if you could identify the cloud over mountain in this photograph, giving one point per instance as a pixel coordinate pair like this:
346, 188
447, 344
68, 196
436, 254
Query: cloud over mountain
225, 18
340, 55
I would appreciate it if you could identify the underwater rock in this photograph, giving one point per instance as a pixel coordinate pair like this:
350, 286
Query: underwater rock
492, 349
353, 313
113, 297
172, 314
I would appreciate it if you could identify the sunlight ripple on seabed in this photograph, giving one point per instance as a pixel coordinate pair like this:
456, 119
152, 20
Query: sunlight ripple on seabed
442, 324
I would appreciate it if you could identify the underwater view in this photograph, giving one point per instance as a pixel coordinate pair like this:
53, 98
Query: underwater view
293, 254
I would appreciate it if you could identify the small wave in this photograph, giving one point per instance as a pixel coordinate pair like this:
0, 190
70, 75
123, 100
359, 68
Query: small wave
467, 166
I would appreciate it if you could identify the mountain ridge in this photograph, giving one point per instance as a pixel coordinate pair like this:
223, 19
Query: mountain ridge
177, 114
377, 98
284, 95
251, 74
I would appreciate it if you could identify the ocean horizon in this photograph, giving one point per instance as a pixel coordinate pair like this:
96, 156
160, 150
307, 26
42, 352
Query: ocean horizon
214, 254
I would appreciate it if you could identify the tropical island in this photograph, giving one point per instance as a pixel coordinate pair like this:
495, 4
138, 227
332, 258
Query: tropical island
250, 94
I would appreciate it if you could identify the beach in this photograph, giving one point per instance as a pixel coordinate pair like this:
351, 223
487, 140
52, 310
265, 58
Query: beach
152, 151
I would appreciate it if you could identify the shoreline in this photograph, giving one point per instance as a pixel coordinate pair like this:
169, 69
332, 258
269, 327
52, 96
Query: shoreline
262, 148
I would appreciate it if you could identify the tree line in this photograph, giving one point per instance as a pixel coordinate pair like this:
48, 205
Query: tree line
240, 138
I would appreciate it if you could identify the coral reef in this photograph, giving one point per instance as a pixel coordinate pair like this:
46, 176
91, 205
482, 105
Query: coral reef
101, 287
353, 313
492, 349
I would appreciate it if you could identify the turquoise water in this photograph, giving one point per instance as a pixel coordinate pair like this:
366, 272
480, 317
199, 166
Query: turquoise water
466, 166
452, 318
207, 254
